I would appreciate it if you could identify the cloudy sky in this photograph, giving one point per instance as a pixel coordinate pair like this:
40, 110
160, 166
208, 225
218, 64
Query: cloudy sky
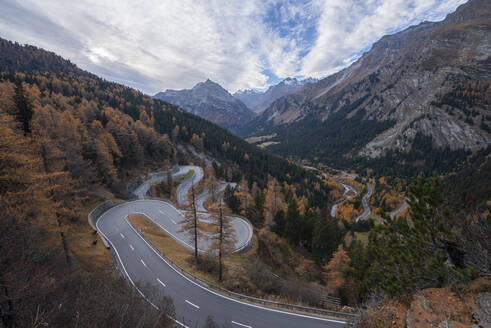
154, 45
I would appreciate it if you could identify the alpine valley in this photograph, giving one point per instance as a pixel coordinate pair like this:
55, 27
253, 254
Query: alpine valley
424, 90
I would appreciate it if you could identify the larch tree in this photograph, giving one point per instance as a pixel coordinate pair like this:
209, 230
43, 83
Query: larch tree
190, 224
223, 238
336, 270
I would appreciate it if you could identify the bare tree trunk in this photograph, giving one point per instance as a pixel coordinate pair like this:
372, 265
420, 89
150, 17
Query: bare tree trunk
195, 225
212, 187
7, 315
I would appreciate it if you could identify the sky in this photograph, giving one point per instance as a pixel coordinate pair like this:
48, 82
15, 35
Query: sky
153, 45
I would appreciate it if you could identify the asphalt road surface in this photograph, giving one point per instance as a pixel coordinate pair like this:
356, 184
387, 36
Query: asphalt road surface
201, 199
366, 208
193, 303
169, 219
347, 189
177, 172
185, 186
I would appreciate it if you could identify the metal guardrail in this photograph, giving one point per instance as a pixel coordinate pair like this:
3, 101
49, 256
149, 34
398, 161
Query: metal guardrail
348, 316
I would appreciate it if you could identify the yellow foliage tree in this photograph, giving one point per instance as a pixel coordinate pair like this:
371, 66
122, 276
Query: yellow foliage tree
336, 270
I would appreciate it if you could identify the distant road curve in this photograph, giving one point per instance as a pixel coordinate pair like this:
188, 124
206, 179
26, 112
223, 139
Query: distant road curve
185, 186
399, 210
200, 200
366, 208
347, 189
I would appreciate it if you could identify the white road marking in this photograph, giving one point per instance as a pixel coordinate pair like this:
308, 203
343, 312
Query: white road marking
126, 272
166, 215
160, 282
192, 304
191, 281
143, 263
241, 324
122, 236
132, 248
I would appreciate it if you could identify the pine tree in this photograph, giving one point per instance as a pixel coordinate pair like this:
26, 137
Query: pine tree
24, 109
409, 255
232, 201
279, 223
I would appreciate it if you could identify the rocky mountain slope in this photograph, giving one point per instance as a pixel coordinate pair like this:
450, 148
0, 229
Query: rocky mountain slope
426, 84
212, 102
258, 101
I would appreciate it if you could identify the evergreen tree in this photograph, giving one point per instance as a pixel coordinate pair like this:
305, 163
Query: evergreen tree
409, 255
293, 227
279, 223
326, 238
232, 201
24, 110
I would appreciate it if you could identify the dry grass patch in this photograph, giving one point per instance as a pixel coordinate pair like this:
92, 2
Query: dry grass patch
183, 256
85, 245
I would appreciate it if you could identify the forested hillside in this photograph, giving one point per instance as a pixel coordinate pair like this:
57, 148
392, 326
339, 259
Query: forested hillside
109, 130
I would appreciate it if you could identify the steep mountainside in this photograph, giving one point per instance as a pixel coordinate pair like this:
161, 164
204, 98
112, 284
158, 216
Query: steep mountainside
212, 102
259, 101
427, 86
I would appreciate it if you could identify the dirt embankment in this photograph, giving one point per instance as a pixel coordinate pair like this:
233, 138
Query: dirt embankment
466, 305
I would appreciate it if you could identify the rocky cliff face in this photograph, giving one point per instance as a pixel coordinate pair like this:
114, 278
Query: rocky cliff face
431, 79
259, 101
212, 102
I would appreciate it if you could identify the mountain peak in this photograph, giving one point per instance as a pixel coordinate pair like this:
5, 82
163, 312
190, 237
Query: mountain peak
211, 101
258, 101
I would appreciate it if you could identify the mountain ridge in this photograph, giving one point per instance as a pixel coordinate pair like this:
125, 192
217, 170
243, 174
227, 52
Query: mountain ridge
210, 101
258, 101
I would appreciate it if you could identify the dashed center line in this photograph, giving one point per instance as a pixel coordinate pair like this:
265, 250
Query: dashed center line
132, 248
122, 236
160, 282
192, 304
241, 324
144, 264
173, 221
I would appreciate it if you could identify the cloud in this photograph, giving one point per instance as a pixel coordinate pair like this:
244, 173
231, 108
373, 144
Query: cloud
158, 44
346, 27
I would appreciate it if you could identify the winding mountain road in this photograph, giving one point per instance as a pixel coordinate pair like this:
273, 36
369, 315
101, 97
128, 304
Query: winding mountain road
200, 200
347, 189
144, 267
366, 208
185, 186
